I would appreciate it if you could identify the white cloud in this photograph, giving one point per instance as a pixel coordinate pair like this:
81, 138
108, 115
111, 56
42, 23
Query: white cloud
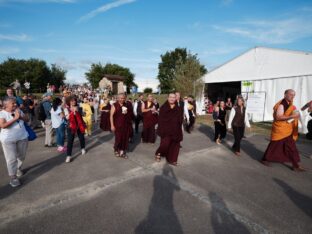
271, 31
8, 50
105, 8
147, 83
15, 37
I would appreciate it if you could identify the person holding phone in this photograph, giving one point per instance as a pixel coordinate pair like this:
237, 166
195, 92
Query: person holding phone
14, 139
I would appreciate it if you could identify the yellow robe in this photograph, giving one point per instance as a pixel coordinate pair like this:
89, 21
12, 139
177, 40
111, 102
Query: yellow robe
281, 128
86, 108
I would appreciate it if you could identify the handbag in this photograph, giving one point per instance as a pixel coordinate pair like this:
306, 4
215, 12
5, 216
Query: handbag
31, 134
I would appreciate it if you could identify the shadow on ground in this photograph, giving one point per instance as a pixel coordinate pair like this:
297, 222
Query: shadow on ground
222, 219
300, 200
161, 217
31, 173
207, 131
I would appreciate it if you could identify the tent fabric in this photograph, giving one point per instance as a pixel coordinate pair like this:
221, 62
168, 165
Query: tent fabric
262, 63
271, 71
275, 89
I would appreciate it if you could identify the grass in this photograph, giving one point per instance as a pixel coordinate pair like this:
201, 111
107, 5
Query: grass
161, 98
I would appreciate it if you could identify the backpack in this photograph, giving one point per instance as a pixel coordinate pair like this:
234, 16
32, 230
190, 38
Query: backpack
42, 115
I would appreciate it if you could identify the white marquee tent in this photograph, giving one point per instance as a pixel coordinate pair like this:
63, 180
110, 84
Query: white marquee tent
270, 72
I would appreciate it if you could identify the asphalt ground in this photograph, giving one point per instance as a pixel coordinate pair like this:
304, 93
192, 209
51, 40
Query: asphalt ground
211, 191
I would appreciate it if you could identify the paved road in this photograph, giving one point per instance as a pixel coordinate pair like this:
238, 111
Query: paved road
211, 191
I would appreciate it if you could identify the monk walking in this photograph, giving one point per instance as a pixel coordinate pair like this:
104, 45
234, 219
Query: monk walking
105, 115
121, 125
169, 129
282, 147
150, 118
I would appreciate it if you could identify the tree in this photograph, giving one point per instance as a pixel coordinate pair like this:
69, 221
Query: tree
167, 68
95, 74
188, 76
36, 71
97, 71
148, 90
58, 75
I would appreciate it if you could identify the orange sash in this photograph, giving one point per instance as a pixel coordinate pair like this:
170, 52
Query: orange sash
281, 128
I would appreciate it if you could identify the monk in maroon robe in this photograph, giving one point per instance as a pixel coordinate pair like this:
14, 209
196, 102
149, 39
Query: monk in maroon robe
121, 125
282, 147
105, 116
150, 119
170, 130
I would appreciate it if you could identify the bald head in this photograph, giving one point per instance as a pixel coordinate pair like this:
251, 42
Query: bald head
121, 98
289, 95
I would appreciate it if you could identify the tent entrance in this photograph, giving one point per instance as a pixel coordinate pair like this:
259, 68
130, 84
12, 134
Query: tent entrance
222, 91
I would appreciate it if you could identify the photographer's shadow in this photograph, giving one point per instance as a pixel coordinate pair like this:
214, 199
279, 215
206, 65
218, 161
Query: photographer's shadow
161, 217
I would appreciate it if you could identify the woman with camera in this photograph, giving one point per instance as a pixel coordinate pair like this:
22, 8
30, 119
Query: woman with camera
13, 137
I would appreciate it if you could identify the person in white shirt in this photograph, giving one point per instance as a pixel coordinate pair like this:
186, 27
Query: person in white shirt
96, 109
137, 111
14, 138
238, 121
58, 123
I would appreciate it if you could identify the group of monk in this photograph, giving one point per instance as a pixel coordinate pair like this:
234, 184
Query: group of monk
118, 117
167, 122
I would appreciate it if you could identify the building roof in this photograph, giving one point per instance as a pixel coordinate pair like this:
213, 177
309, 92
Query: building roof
262, 63
114, 77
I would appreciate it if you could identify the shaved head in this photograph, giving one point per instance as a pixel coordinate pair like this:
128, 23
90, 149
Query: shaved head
121, 98
290, 95
288, 91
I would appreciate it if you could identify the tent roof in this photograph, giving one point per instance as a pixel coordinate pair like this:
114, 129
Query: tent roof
262, 63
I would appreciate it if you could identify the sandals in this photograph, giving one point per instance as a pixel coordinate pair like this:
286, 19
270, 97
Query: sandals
120, 155
174, 164
117, 155
124, 156
157, 158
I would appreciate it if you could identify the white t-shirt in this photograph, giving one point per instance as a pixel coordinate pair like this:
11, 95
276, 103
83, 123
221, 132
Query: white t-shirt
15, 132
56, 118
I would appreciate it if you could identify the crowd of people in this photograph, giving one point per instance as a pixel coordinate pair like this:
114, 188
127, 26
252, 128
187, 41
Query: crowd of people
75, 110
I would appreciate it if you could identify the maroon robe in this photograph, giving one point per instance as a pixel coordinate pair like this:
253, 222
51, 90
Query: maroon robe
105, 118
284, 150
149, 122
170, 131
123, 127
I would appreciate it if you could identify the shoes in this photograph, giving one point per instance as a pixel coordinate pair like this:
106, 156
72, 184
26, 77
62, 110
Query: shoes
299, 169
237, 153
15, 182
19, 173
68, 159
83, 151
265, 163
62, 149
